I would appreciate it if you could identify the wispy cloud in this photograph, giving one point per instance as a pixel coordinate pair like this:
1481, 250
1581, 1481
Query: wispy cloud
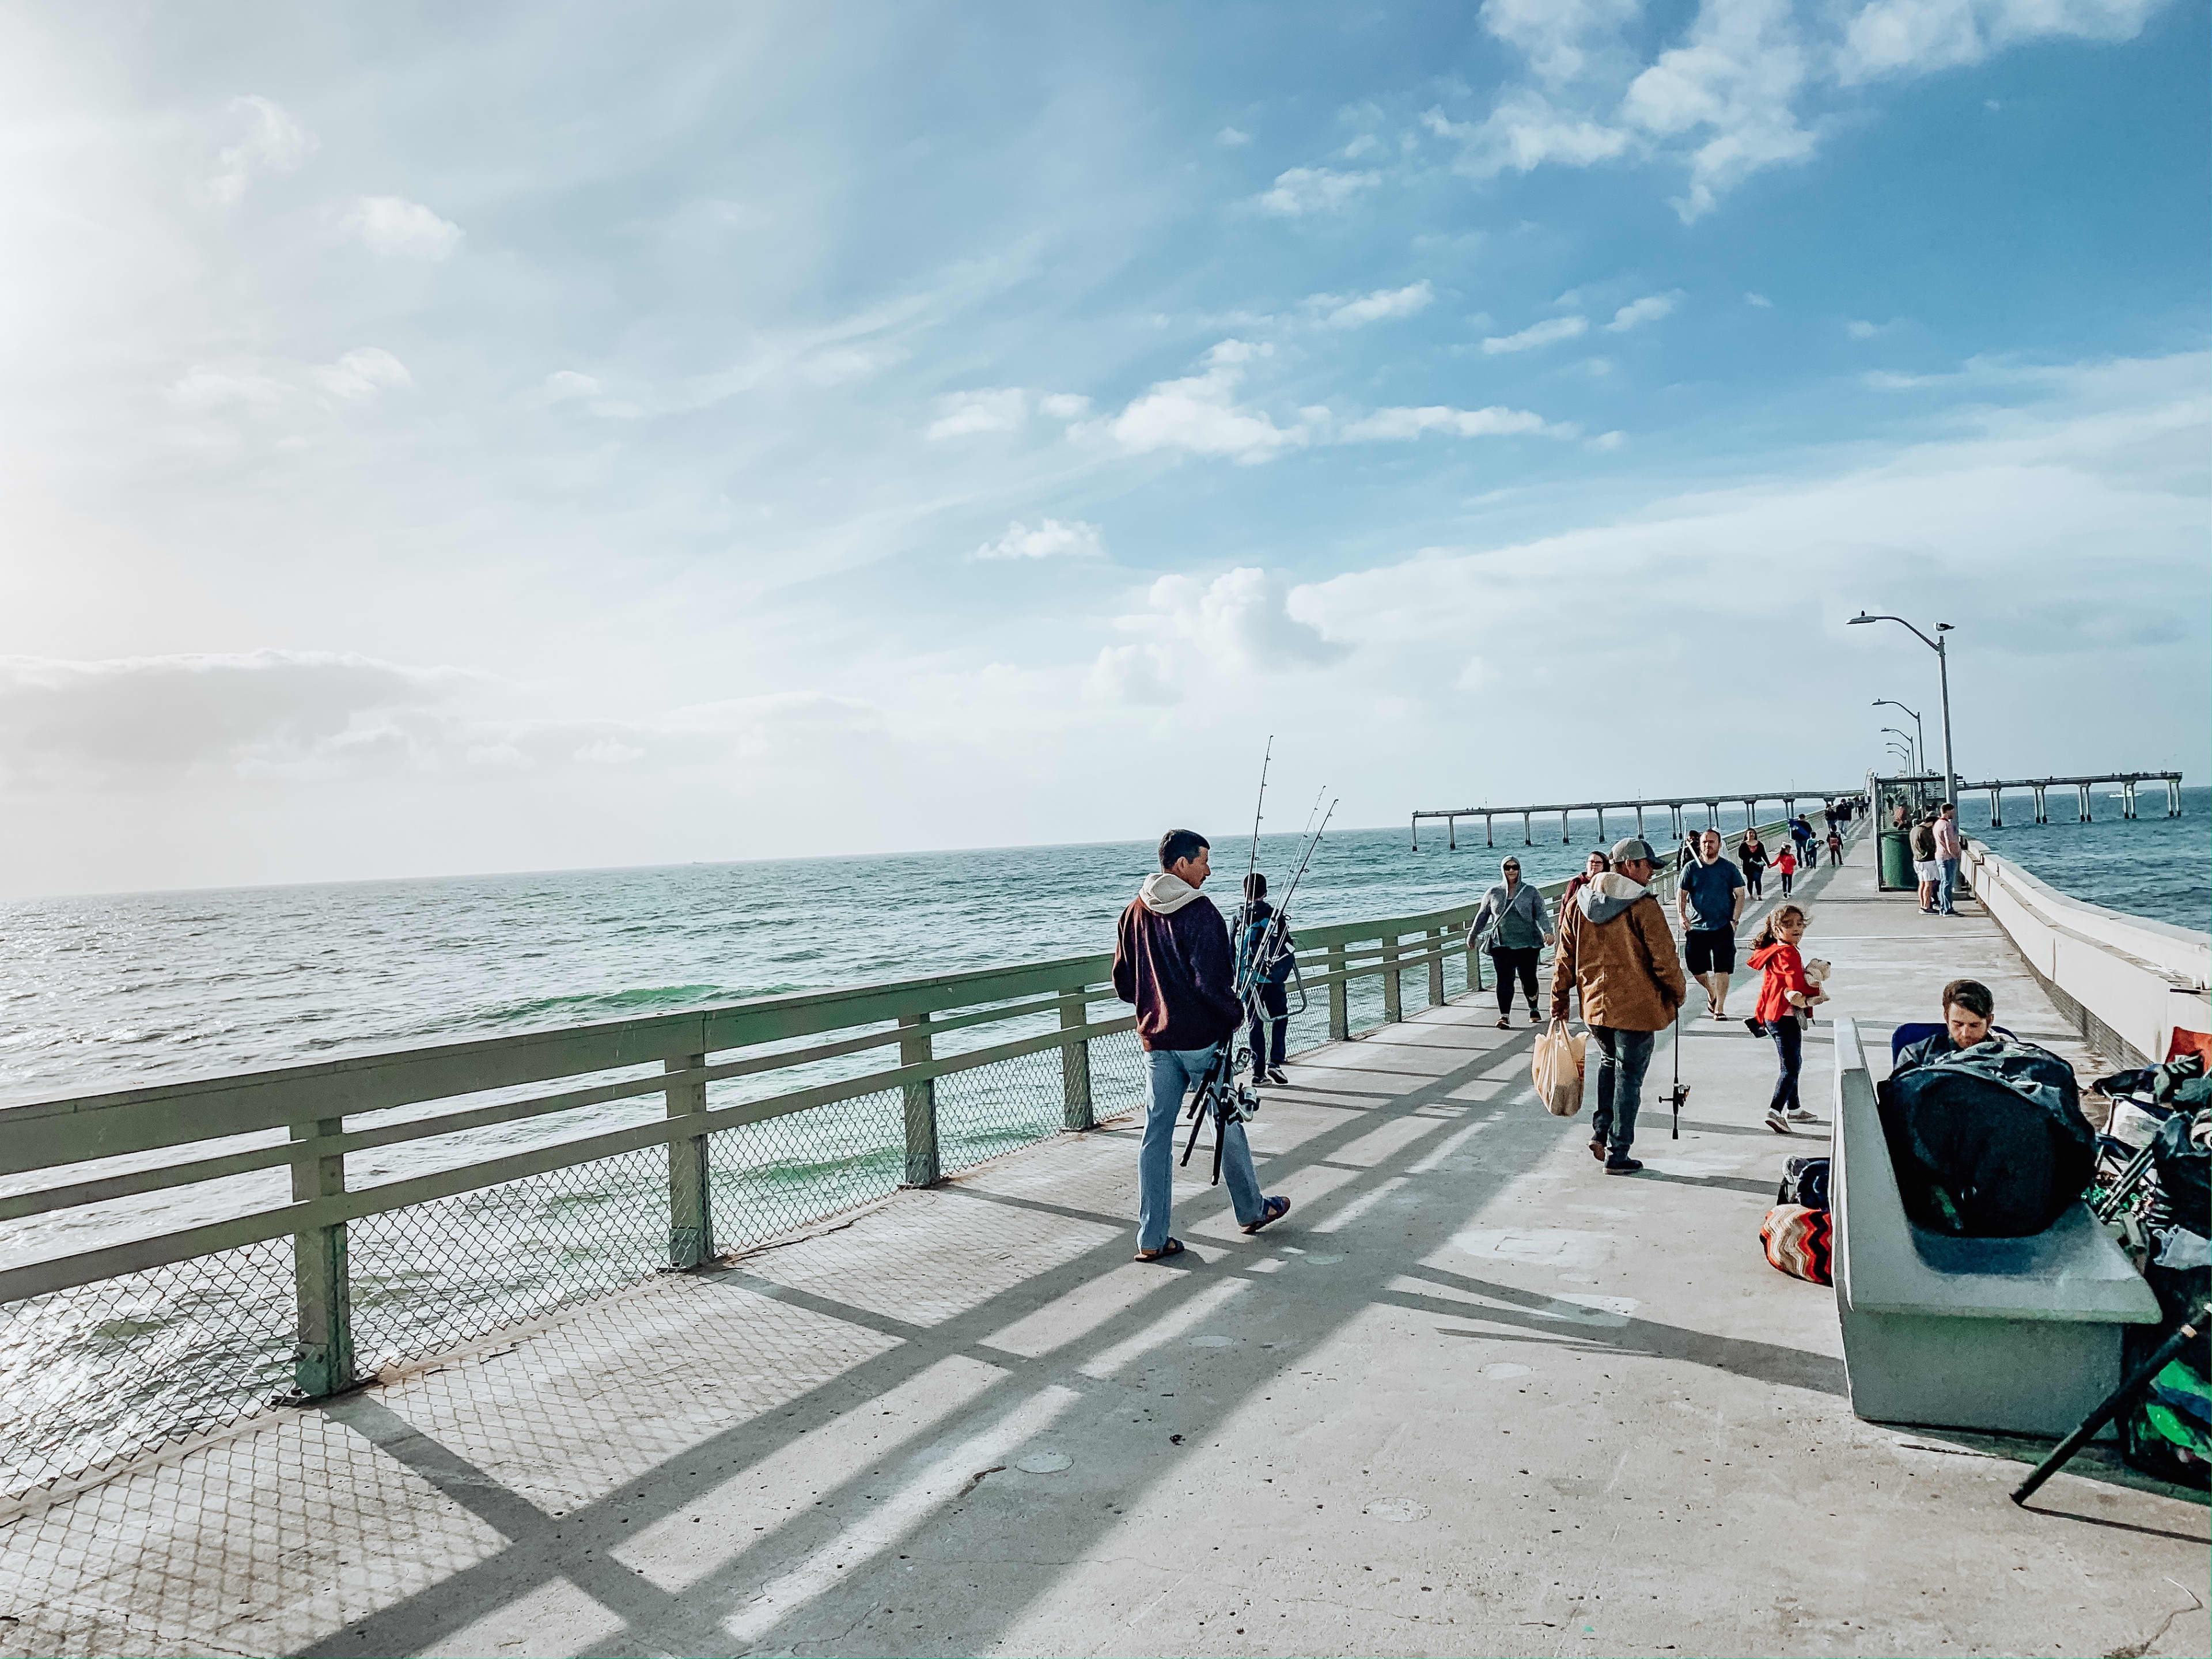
397, 228
1549, 333
1051, 539
363, 372
1648, 309
1233, 137
1314, 190
1385, 425
962, 413
1199, 413
275, 145
1382, 305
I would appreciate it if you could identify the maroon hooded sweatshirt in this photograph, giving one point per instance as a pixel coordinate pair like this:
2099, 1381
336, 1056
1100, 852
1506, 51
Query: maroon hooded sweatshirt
1171, 959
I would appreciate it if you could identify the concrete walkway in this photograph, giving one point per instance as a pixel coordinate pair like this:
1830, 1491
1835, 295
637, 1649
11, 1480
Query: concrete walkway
1473, 1397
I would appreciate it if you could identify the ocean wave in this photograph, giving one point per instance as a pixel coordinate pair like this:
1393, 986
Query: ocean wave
637, 1000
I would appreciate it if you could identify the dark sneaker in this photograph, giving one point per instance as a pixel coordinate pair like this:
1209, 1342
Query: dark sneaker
1622, 1166
1597, 1147
1277, 1078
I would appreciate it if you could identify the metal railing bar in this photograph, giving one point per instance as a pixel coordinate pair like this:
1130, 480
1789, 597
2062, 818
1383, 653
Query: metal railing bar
108, 1262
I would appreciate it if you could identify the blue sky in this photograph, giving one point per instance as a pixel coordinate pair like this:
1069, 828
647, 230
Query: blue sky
546, 436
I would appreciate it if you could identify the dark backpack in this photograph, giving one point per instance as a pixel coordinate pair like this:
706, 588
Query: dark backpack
1988, 1142
1804, 1181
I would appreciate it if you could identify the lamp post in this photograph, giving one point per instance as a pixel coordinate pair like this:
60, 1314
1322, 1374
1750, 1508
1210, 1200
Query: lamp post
1943, 680
1920, 736
1911, 754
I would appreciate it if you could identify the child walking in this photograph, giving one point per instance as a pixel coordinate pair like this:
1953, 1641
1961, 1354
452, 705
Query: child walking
1785, 866
1786, 997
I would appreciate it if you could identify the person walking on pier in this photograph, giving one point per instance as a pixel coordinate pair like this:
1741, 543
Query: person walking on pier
1785, 867
1514, 915
1786, 996
1171, 958
1709, 897
1616, 953
1924, 867
1594, 866
1835, 845
1751, 852
1271, 1021
1946, 858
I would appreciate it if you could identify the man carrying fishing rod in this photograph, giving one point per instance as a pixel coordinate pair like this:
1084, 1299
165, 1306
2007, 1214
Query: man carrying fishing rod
1171, 958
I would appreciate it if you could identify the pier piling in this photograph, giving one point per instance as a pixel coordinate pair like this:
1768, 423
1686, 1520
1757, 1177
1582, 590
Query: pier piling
922, 1166
691, 1222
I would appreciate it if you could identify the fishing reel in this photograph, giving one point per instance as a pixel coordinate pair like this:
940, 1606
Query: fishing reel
1675, 1097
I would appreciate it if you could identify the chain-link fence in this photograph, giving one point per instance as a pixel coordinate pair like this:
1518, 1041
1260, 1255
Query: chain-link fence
103, 1372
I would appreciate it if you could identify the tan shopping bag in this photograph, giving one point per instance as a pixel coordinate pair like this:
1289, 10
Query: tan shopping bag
1558, 1069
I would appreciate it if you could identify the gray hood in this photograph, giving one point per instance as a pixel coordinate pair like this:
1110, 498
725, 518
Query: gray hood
1165, 894
1608, 897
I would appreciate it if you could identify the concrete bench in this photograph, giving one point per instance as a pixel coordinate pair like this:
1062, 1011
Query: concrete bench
2008, 1335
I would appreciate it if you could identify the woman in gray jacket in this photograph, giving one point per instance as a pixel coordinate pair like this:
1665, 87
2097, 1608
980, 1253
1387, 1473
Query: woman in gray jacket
1514, 915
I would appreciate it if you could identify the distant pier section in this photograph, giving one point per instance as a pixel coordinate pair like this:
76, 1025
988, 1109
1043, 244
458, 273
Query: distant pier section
1678, 807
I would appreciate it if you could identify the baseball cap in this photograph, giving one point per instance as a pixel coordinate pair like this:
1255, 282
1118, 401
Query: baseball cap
1635, 847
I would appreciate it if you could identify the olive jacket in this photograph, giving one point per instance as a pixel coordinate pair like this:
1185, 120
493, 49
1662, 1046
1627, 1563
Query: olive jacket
1614, 948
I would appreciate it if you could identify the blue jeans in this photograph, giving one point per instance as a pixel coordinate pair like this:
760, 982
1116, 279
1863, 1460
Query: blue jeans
1945, 883
1620, 1085
1172, 1073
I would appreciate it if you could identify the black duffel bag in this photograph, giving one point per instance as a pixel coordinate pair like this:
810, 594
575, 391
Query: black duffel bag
1988, 1142
1804, 1181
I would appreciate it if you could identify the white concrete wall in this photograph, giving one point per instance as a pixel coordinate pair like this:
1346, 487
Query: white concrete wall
2145, 979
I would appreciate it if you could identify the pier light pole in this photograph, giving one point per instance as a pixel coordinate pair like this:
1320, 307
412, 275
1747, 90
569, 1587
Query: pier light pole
1919, 735
1943, 681
1919, 762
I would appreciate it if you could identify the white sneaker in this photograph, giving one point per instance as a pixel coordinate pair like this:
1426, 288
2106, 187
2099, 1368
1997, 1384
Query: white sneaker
1799, 1115
1778, 1122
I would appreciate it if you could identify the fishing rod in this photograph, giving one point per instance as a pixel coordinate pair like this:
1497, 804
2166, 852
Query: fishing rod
1252, 863
1219, 1095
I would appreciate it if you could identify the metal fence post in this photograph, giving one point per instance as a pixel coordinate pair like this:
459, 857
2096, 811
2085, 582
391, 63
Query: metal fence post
322, 1363
691, 1204
1436, 955
1339, 1000
1393, 993
921, 1163
1076, 1111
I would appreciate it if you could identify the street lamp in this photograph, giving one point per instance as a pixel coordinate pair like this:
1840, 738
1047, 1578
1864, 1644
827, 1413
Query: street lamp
1920, 736
1911, 755
1944, 679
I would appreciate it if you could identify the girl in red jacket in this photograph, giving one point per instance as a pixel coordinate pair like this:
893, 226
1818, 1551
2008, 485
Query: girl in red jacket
1786, 997
1785, 866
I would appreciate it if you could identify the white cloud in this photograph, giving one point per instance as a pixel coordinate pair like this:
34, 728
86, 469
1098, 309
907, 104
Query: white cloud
1199, 413
1232, 137
1138, 675
397, 228
1525, 130
1051, 539
1000, 408
1389, 425
1240, 619
1063, 406
564, 384
1546, 333
363, 372
1758, 300
1560, 37
1731, 89
1608, 441
1918, 36
1383, 303
1859, 328
1365, 144
1648, 309
1314, 190
207, 388
275, 145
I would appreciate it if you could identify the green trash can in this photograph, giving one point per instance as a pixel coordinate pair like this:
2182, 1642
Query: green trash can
1896, 861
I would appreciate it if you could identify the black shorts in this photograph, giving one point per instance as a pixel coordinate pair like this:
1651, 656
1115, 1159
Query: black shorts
1712, 950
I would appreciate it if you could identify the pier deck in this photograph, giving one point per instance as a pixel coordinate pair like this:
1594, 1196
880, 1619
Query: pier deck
1473, 1397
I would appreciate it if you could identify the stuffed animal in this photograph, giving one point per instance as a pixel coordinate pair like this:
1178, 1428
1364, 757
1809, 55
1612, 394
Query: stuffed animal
1817, 971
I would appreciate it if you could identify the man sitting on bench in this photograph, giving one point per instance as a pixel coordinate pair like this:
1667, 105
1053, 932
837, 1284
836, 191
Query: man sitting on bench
1968, 1008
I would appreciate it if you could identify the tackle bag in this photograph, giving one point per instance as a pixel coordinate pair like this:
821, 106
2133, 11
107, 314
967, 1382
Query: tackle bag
1799, 1241
1558, 1070
1804, 1181
1988, 1142
2182, 1159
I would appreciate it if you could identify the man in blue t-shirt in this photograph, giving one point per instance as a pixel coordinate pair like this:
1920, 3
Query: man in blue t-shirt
1710, 897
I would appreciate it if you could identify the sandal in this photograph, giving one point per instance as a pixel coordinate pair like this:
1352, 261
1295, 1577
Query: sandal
1273, 1211
1173, 1246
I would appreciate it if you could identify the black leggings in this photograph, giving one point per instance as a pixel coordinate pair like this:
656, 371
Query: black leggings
1510, 962
1790, 1042
1785, 884
1751, 873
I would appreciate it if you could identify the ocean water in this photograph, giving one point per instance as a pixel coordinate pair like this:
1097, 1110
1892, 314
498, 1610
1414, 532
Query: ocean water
123, 990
